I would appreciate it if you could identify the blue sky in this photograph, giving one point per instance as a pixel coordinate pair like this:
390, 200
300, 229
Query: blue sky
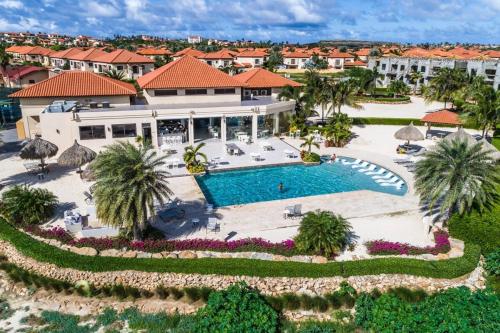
278, 20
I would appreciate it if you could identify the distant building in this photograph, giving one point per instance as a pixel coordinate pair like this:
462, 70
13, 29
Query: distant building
195, 39
23, 76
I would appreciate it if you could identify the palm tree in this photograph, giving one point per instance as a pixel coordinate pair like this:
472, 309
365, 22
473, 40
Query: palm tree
415, 77
346, 95
115, 74
309, 142
302, 102
398, 88
4, 59
484, 106
444, 84
338, 129
129, 181
191, 155
458, 176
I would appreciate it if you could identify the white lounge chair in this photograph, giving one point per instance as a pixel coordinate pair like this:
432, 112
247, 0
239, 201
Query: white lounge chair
362, 165
289, 153
212, 224
255, 157
376, 173
370, 168
357, 161
386, 176
397, 185
392, 180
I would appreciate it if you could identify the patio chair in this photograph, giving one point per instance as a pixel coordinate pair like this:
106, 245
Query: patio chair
376, 173
392, 180
357, 161
397, 185
213, 225
288, 211
89, 199
362, 165
386, 176
255, 157
370, 168
297, 210
289, 153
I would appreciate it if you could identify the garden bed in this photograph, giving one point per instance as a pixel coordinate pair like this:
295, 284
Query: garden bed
381, 247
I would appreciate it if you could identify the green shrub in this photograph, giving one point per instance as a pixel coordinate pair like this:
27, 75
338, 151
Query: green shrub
322, 327
205, 293
192, 293
482, 230
276, 302
24, 205
291, 301
311, 157
322, 232
334, 300
237, 309
492, 264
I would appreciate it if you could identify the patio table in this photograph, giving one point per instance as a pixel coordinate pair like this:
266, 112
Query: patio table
232, 148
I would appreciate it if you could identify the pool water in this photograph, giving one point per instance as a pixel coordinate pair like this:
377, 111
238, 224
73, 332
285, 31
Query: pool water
258, 184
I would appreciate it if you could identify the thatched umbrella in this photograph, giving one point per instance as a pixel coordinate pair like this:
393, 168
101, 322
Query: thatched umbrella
490, 148
76, 156
461, 135
38, 149
409, 133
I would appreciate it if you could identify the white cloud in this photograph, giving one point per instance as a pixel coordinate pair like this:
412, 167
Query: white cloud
101, 9
11, 4
136, 10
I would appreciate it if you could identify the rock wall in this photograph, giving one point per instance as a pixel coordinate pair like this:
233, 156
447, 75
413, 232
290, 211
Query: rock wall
267, 285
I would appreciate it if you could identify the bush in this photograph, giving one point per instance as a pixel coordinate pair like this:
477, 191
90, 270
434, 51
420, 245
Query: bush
482, 230
311, 157
323, 232
196, 168
453, 310
492, 264
237, 309
25, 205
381, 247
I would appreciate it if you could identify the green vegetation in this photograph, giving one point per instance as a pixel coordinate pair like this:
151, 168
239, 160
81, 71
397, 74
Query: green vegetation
337, 130
323, 232
237, 309
190, 157
25, 205
309, 142
46, 253
129, 180
453, 310
398, 88
386, 121
492, 264
458, 176
383, 99
115, 74
482, 105
310, 157
444, 85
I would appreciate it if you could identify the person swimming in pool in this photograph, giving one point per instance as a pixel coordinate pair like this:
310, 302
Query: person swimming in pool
332, 158
280, 187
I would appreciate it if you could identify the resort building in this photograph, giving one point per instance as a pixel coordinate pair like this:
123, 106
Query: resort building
337, 59
261, 82
186, 101
61, 59
152, 53
22, 76
295, 60
219, 59
251, 58
188, 51
30, 54
132, 65
84, 61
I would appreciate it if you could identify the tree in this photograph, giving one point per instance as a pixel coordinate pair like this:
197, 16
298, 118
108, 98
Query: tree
458, 177
162, 60
191, 155
338, 129
346, 95
239, 308
444, 84
398, 88
4, 59
309, 142
129, 181
115, 74
323, 232
274, 59
484, 106
415, 77
316, 62
25, 205
302, 101
366, 79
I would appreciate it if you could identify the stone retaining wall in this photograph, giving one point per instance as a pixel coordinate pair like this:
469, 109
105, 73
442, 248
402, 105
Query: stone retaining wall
267, 285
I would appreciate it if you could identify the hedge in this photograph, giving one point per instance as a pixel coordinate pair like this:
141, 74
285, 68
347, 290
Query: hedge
383, 99
47, 253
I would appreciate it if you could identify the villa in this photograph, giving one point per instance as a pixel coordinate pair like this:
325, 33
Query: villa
152, 53
188, 51
84, 61
295, 60
187, 99
338, 60
61, 59
252, 58
132, 65
222, 58
30, 53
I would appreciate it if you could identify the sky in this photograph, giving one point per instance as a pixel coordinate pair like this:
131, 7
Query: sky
414, 21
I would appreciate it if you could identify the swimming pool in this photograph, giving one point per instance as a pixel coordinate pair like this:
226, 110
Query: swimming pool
258, 184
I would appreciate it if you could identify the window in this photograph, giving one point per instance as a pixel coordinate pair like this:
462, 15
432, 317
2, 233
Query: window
226, 63
209, 62
91, 64
257, 61
292, 61
119, 68
31, 81
224, 91
422, 68
124, 130
383, 67
92, 132
171, 92
402, 67
196, 91
135, 69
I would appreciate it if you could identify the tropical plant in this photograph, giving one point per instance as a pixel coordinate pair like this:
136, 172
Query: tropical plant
191, 155
162, 60
274, 59
398, 88
444, 84
129, 182
338, 130
457, 176
346, 95
4, 58
239, 308
323, 232
115, 74
316, 62
25, 205
366, 80
484, 108
415, 77
309, 141
492, 263
303, 108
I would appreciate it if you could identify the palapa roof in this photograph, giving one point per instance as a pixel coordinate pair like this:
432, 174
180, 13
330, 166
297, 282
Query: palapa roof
76, 155
187, 72
261, 78
38, 148
409, 133
442, 117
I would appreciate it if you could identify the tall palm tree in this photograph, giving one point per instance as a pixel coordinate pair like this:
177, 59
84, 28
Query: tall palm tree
398, 88
338, 129
484, 106
192, 153
302, 101
115, 74
415, 77
346, 95
309, 142
458, 176
129, 181
444, 84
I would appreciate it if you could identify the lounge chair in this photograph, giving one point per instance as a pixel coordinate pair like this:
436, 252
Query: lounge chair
386, 176
370, 168
89, 199
255, 157
420, 152
289, 153
212, 224
297, 210
288, 211
357, 161
362, 165
397, 185
392, 180
376, 173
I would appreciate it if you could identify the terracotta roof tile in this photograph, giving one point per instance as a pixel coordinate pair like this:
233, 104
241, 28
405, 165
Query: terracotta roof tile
442, 117
87, 55
154, 52
122, 57
296, 54
15, 73
356, 63
252, 54
33, 50
261, 78
190, 52
187, 72
65, 54
75, 84
337, 54
222, 54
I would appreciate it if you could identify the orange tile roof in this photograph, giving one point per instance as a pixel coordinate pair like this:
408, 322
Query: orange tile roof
87, 55
221, 54
356, 63
252, 54
122, 57
65, 54
187, 72
76, 84
492, 53
442, 117
296, 54
363, 52
261, 78
190, 52
338, 54
33, 50
153, 52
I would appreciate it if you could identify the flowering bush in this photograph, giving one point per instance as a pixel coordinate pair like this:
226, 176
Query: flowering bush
54, 233
381, 247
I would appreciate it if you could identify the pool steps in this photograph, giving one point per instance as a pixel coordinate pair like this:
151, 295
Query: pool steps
380, 175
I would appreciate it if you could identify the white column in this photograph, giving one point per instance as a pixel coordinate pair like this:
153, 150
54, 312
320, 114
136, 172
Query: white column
276, 127
223, 129
254, 127
191, 130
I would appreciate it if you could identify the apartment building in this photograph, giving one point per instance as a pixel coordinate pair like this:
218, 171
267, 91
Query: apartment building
30, 54
61, 59
251, 58
219, 59
84, 61
337, 59
132, 65
295, 59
